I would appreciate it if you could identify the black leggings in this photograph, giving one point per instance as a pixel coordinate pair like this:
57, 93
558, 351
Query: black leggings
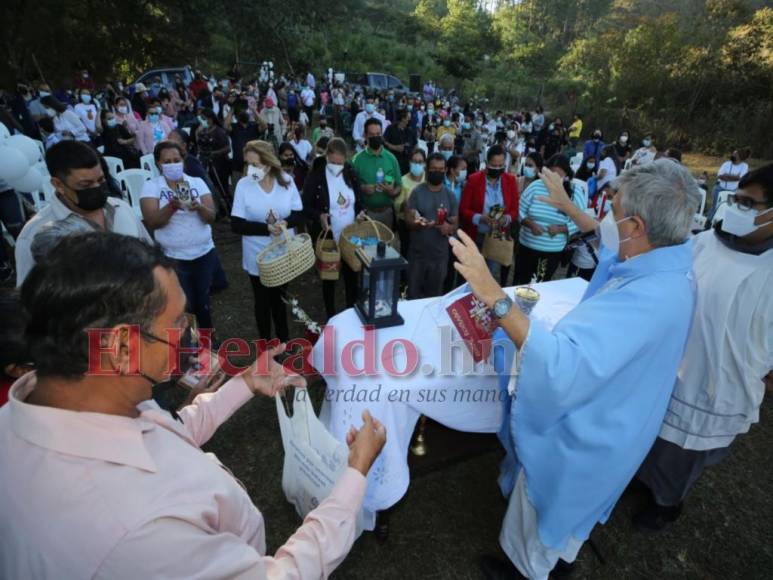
527, 263
350, 289
268, 305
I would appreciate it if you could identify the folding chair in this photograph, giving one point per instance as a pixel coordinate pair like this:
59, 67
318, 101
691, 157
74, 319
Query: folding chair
132, 181
148, 163
114, 165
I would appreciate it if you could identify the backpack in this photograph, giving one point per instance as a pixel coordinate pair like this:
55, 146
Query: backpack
292, 101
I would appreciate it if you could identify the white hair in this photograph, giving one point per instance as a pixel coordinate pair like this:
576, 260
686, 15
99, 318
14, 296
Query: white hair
51, 233
445, 138
664, 195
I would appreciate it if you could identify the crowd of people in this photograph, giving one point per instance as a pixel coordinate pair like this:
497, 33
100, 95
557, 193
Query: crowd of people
273, 155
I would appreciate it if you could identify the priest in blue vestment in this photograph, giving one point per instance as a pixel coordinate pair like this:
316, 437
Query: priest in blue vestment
589, 396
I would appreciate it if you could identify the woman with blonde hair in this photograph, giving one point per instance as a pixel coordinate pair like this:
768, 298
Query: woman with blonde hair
265, 201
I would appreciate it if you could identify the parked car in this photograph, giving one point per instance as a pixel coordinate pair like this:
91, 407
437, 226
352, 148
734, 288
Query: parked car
167, 76
376, 81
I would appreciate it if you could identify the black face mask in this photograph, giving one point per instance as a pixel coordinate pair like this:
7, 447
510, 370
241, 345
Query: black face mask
288, 162
92, 198
435, 177
375, 143
494, 173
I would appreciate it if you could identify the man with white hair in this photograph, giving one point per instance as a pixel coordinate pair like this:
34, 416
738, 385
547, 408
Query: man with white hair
589, 396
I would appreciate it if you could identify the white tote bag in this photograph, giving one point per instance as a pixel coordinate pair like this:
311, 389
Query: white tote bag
314, 459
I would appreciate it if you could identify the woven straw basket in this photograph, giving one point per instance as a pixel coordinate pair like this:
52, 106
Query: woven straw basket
362, 229
498, 248
299, 257
328, 256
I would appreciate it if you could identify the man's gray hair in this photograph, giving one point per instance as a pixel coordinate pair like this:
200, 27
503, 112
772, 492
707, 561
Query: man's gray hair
664, 195
51, 233
444, 138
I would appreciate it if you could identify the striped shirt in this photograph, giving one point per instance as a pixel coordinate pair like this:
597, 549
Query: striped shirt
546, 215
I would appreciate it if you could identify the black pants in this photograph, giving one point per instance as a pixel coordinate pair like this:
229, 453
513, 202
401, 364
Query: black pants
669, 471
584, 273
350, 289
528, 261
268, 306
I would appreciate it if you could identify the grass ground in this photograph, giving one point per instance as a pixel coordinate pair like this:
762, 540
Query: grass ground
453, 514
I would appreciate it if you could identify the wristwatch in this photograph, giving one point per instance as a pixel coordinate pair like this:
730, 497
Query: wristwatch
502, 307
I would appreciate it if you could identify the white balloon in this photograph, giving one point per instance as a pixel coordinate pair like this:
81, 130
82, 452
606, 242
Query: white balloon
31, 181
13, 164
26, 146
4, 133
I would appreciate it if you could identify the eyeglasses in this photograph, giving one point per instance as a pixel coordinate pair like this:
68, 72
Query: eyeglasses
745, 203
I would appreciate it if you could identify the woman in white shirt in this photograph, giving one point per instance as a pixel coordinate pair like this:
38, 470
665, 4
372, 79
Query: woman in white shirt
608, 168
88, 113
331, 201
302, 147
67, 124
266, 200
179, 208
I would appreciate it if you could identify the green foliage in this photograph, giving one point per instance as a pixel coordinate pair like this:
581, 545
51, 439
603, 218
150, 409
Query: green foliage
699, 72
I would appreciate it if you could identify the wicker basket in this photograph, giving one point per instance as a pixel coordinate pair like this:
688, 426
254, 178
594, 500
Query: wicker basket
298, 257
362, 229
499, 248
328, 256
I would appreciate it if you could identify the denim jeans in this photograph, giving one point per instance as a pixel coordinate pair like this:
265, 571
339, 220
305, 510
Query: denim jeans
196, 278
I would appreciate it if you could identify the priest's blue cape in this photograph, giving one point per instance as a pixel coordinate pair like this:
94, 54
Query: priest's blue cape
591, 394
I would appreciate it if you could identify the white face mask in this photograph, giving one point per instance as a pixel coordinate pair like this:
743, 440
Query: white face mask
334, 168
610, 235
123, 109
257, 173
740, 222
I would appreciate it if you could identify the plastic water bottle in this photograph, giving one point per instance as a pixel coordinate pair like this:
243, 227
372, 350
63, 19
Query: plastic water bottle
380, 176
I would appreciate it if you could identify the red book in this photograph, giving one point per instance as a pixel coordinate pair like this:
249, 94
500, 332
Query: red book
475, 324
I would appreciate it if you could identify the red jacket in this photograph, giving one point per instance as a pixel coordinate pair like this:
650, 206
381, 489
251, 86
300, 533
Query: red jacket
474, 194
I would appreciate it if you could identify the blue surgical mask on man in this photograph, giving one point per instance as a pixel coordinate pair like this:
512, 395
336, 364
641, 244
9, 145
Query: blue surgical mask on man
153, 117
417, 169
369, 108
86, 98
529, 172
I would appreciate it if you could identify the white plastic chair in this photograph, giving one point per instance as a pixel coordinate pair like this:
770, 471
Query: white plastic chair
114, 165
703, 201
575, 163
42, 149
717, 213
132, 182
148, 163
582, 185
43, 196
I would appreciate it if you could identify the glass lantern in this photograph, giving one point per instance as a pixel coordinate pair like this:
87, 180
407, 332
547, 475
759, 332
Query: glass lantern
379, 288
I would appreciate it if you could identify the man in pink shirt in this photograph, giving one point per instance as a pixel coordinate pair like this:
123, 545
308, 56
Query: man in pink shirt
98, 481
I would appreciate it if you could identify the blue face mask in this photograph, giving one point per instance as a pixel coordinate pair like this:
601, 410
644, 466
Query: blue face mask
203, 122
86, 99
370, 107
153, 118
112, 122
417, 169
446, 154
530, 172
